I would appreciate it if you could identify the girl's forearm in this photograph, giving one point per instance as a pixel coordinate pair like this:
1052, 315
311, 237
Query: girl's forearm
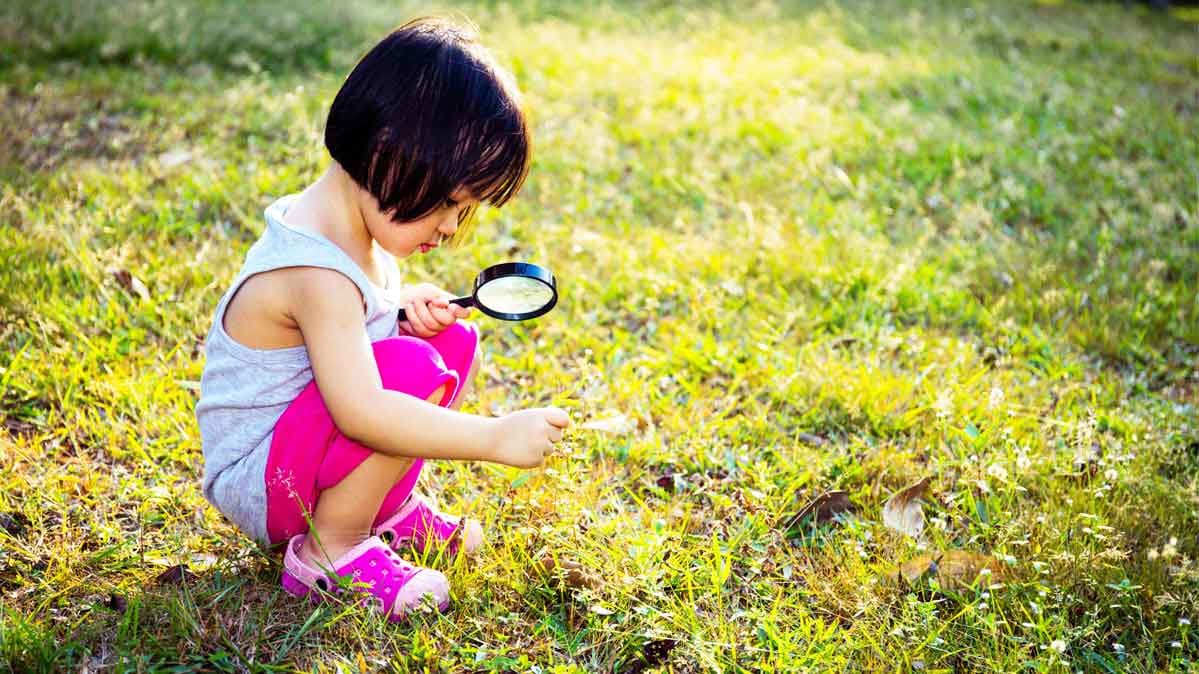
402, 425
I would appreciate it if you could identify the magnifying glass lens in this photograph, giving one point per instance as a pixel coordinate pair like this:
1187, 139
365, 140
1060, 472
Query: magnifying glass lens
514, 294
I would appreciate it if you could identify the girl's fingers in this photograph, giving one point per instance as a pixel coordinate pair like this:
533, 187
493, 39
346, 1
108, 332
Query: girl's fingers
444, 317
418, 315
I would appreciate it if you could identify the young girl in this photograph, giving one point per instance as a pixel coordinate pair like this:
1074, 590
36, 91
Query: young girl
317, 409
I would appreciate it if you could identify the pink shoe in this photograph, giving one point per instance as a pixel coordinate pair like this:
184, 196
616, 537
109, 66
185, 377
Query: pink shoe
418, 523
394, 586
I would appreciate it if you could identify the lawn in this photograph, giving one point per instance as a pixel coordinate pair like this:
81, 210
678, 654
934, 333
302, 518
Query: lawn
803, 247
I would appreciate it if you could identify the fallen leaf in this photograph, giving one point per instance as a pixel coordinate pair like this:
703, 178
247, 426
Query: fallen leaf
14, 524
953, 569
116, 602
175, 575
618, 424
813, 439
903, 511
670, 481
18, 426
131, 283
569, 572
842, 342
822, 509
653, 654
666, 482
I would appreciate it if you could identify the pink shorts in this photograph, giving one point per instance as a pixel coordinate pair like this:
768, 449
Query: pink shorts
308, 454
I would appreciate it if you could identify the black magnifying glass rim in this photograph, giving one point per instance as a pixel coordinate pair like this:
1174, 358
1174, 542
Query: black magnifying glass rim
525, 269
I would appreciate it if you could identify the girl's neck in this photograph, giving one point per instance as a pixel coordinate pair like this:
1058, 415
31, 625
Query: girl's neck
330, 208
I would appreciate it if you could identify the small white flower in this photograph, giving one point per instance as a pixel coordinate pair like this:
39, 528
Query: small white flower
998, 472
1170, 550
995, 398
1175, 644
1184, 621
1119, 648
1152, 554
1110, 474
1058, 645
1023, 462
943, 404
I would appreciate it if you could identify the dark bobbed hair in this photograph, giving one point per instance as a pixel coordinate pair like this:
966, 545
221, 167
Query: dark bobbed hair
428, 111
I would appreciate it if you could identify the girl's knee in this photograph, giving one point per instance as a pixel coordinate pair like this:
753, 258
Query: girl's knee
411, 365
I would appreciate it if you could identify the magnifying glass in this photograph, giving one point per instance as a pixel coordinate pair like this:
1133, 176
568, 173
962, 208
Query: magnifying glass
511, 291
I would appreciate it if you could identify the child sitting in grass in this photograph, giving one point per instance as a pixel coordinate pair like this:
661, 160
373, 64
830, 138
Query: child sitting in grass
317, 409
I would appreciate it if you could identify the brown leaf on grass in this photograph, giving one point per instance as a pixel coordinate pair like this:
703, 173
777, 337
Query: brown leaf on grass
175, 575
568, 572
666, 482
822, 509
131, 283
14, 524
903, 511
813, 439
652, 655
18, 427
954, 569
116, 602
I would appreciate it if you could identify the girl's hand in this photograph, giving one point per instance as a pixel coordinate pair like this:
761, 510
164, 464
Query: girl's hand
523, 439
428, 310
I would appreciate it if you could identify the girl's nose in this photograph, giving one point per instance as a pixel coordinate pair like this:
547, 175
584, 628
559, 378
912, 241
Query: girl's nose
450, 224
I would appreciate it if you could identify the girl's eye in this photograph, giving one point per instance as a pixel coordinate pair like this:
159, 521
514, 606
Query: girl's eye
450, 203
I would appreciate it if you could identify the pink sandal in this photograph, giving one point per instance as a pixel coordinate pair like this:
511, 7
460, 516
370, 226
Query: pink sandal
419, 524
394, 586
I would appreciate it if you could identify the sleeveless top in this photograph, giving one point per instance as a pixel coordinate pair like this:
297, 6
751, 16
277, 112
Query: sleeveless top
244, 391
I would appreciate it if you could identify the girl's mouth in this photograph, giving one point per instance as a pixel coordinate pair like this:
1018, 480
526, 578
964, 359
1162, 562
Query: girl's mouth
426, 247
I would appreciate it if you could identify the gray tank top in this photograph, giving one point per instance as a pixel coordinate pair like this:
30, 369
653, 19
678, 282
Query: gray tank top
244, 391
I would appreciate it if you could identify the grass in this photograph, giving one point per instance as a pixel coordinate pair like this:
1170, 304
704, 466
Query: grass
803, 246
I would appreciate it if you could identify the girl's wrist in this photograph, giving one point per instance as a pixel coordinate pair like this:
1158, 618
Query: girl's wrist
490, 433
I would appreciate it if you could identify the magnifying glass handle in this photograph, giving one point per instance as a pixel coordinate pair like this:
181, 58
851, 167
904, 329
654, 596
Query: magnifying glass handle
467, 302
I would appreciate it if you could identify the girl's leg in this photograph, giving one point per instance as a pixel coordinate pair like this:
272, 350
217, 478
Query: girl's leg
458, 347
309, 456
405, 517
345, 512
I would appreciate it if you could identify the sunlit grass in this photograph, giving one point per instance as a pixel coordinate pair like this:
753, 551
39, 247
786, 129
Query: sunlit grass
802, 247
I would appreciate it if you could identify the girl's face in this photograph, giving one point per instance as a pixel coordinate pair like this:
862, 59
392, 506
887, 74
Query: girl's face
402, 239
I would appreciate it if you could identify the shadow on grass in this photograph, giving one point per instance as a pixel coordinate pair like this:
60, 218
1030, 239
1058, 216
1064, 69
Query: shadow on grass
209, 621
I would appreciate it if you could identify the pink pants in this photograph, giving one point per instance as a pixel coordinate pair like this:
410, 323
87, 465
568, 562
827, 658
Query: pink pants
308, 454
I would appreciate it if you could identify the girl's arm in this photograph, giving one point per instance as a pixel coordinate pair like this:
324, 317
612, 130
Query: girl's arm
327, 307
